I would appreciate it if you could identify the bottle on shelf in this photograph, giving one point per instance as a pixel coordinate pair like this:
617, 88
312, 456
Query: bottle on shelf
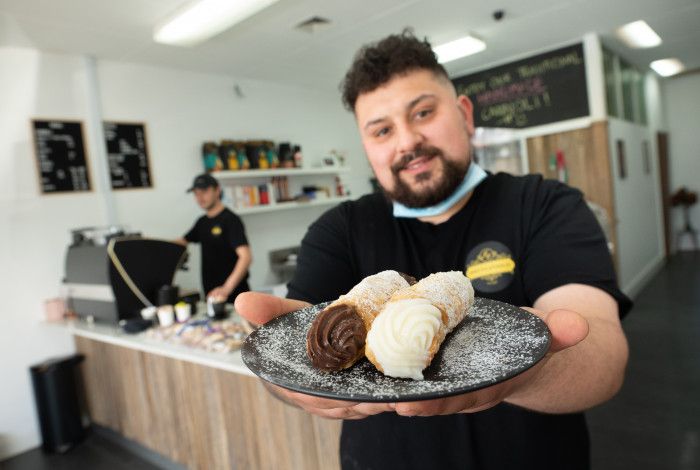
243, 162
210, 156
229, 154
298, 157
272, 157
286, 155
263, 162
339, 190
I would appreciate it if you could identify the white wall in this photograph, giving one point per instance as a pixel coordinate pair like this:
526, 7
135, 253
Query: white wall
638, 196
181, 109
637, 205
34, 230
682, 98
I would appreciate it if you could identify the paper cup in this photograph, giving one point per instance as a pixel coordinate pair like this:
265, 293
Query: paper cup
183, 312
166, 316
54, 309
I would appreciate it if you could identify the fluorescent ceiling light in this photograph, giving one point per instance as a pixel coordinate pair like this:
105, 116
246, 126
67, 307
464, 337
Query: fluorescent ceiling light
667, 67
638, 35
198, 21
459, 48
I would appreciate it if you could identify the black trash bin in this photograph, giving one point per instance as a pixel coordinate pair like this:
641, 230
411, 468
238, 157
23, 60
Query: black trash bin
58, 403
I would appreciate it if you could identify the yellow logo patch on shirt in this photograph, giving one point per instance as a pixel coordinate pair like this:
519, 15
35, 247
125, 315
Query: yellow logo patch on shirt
216, 230
490, 266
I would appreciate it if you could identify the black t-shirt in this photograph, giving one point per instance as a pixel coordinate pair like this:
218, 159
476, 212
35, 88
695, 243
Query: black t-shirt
517, 238
219, 237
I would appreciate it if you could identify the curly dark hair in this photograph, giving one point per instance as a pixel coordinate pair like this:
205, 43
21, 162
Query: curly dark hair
377, 63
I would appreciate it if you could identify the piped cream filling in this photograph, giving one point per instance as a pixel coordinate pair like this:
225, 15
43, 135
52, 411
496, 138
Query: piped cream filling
401, 336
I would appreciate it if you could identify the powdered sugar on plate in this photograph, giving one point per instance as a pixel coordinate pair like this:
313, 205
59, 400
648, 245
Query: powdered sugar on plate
494, 343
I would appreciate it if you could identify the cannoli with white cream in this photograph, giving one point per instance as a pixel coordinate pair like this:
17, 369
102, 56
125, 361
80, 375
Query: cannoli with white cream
406, 335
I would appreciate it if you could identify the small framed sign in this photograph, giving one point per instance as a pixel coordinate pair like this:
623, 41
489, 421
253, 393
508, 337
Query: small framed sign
127, 155
61, 160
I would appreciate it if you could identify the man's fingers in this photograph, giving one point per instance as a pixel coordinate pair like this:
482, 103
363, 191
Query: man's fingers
568, 329
359, 411
420, 408
310, 401
369, 409
260, 308
334, 409
440, 406
337, 413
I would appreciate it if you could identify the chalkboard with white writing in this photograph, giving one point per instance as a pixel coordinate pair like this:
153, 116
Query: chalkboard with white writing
60, 155
545, 88
127, 154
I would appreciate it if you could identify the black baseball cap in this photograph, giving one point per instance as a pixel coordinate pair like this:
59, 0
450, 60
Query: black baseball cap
203, 181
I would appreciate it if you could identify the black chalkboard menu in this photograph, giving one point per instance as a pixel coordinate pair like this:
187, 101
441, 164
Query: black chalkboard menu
545, 88
60, 155
127, 154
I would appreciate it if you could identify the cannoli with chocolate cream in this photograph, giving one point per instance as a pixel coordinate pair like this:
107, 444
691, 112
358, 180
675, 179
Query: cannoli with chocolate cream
336, 339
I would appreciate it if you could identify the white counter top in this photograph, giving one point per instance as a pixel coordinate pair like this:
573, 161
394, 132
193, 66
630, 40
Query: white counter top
114, 335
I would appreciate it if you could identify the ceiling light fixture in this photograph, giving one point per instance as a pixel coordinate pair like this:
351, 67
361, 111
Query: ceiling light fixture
667, 67
638, 35
458, 48
199, 21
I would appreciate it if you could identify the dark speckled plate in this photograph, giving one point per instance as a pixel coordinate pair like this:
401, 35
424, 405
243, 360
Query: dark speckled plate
495, 342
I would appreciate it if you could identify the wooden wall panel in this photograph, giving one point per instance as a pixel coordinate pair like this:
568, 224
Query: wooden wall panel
201, 417
587, 161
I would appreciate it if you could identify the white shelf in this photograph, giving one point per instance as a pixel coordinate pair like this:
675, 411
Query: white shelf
247, 174
281, 206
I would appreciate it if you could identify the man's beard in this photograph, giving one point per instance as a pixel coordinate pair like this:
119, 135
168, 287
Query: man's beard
453, 173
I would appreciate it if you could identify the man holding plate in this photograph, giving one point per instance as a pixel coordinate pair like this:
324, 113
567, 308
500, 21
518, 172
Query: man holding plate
522, 240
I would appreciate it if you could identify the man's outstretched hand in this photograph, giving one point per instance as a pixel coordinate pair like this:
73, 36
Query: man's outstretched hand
259, 309
567, 327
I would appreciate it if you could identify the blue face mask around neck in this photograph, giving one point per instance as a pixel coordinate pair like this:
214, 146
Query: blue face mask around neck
475, 175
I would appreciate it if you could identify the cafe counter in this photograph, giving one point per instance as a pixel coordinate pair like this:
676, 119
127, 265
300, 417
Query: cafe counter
202, 409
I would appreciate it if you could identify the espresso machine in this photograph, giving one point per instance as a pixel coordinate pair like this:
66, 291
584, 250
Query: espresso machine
110, 275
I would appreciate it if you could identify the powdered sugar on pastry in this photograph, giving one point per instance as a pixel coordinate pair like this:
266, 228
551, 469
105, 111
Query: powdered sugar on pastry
371, 294
408, 332
450, 291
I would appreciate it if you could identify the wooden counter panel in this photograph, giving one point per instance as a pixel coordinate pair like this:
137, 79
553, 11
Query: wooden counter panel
201, 417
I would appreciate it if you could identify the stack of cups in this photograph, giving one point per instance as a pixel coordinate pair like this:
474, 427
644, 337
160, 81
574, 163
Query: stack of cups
166, 315
167, 296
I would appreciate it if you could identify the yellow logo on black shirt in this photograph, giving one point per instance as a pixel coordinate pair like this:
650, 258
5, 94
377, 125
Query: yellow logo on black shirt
216, 230
490, 266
